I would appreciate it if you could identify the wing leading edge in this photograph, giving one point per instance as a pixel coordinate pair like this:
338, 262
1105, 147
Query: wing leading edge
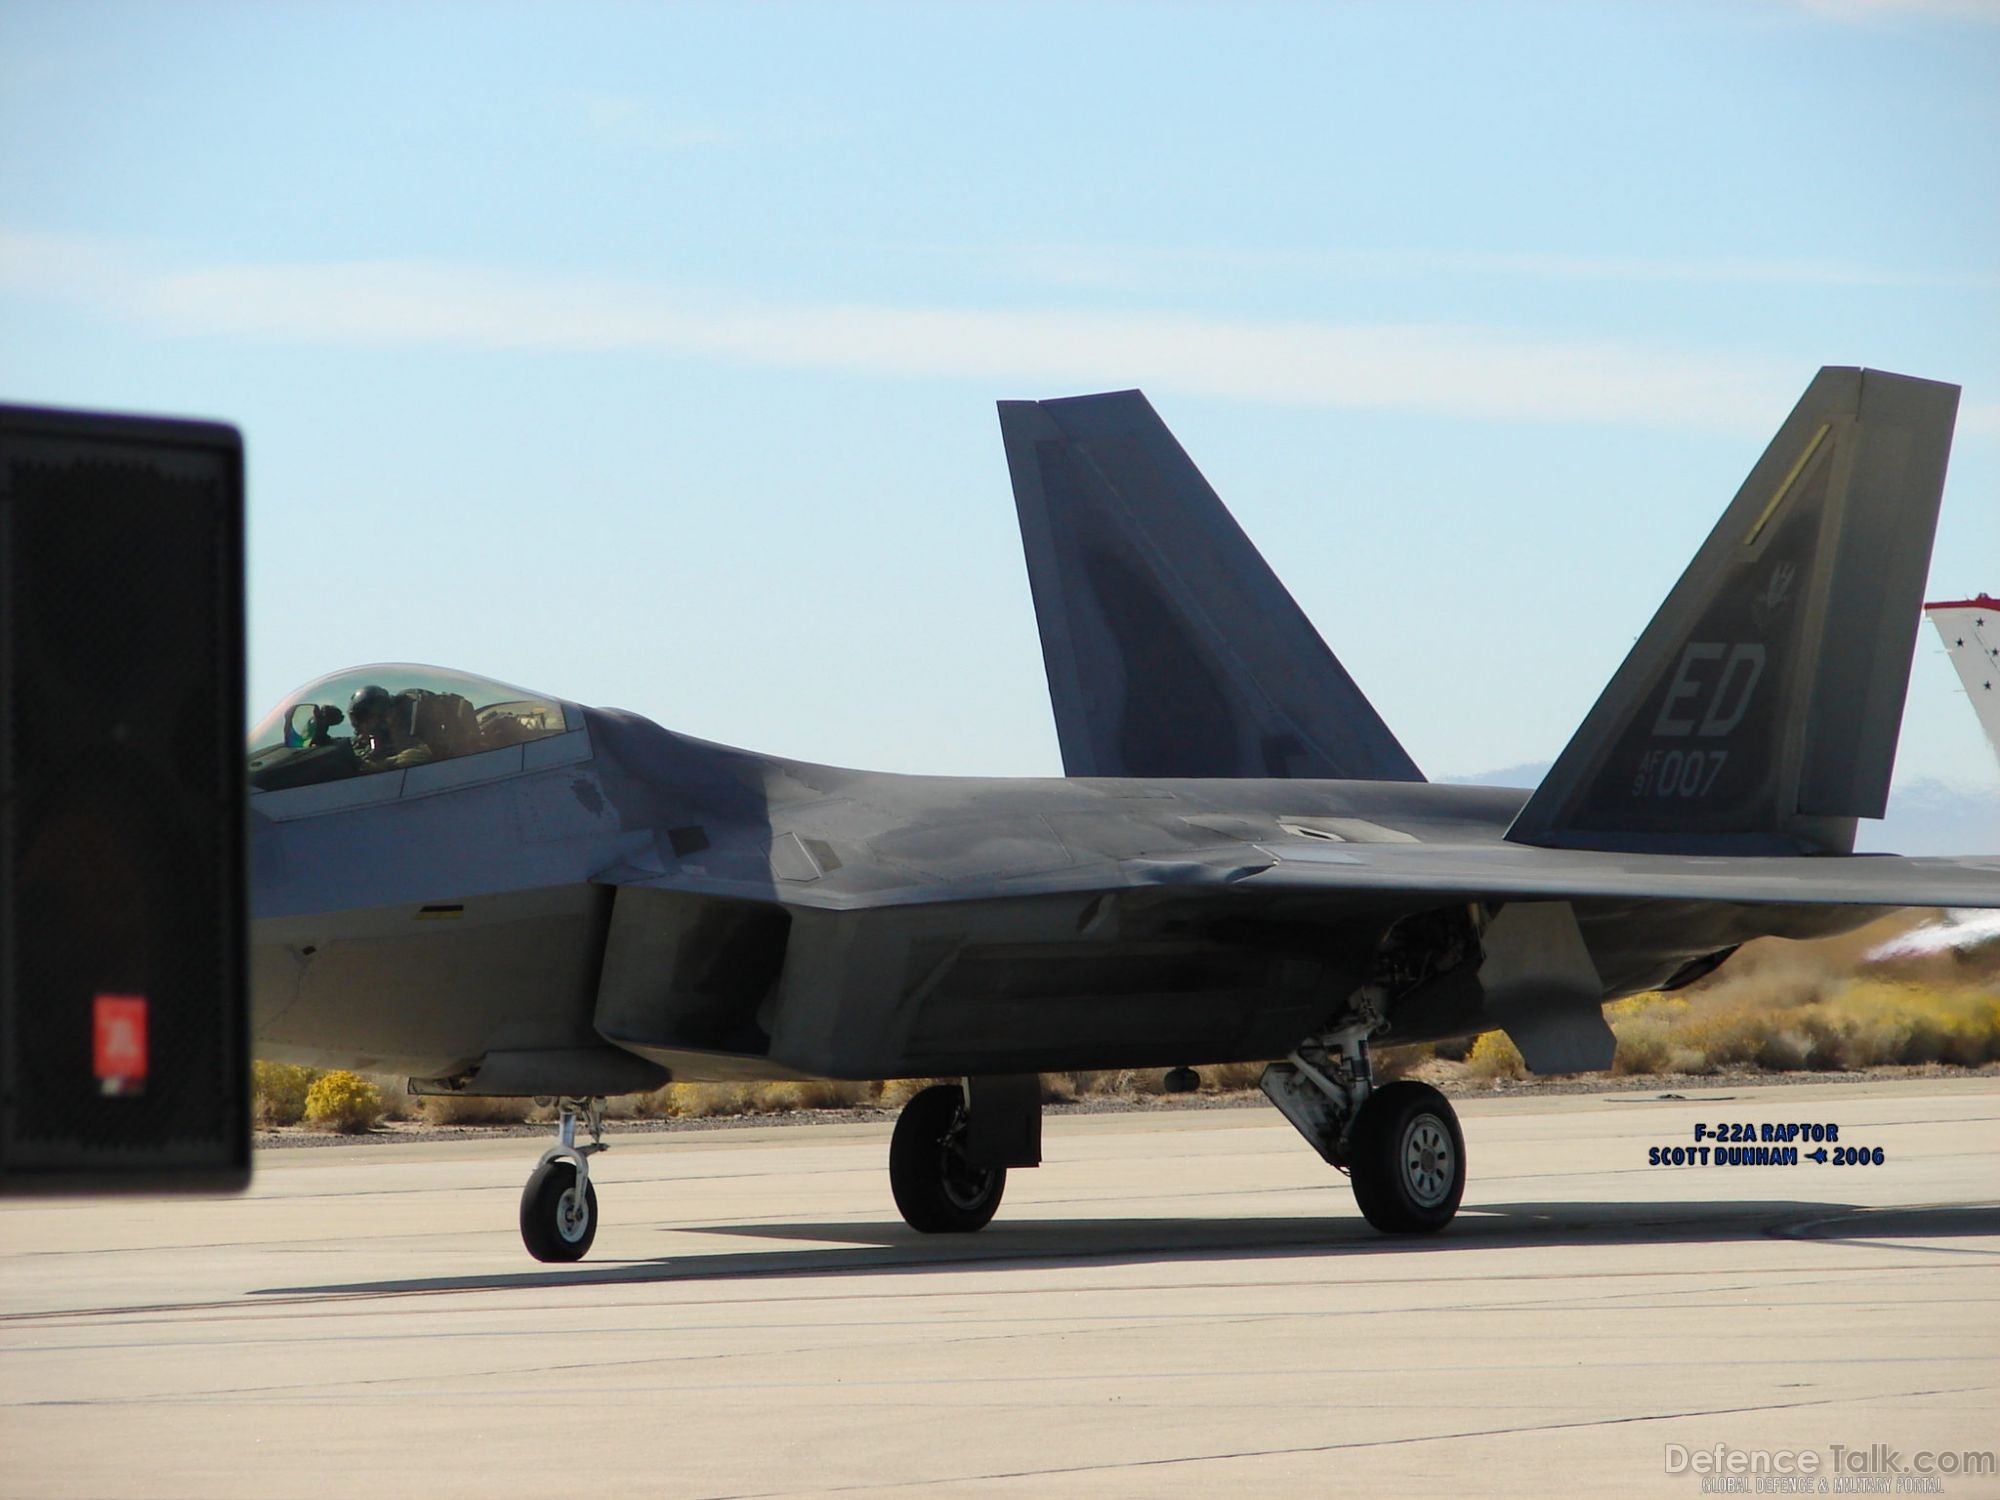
1500, 873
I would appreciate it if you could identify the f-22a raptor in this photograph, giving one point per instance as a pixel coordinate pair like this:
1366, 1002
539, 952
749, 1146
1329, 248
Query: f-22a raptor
498, 892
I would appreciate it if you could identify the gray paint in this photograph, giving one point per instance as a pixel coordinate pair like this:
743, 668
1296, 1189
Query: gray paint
1171, 647
1542, 989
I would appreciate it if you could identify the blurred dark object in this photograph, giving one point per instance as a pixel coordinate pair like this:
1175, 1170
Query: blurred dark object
124, 1035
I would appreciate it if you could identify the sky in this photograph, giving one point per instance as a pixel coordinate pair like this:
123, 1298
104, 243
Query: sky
646, 355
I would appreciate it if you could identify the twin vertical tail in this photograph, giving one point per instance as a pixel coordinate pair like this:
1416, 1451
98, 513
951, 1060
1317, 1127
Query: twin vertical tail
1171, 648
1759, 710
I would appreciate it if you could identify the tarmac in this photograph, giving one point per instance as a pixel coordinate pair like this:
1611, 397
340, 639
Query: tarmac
1179, 1302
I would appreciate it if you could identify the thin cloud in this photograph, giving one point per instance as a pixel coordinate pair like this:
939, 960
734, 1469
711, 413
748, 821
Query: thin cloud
627, 121
1458, 370
1987, 11
1981, 417
1127, 268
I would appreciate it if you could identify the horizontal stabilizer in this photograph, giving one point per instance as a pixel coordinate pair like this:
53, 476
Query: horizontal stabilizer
1171, 648
1760, 708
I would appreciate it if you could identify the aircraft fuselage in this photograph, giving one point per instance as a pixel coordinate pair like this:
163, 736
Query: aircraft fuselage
618, 903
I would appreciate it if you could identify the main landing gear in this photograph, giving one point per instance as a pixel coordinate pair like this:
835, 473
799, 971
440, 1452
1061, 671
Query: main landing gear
1400, 1144
937, 1189
559, 1206
953, 1144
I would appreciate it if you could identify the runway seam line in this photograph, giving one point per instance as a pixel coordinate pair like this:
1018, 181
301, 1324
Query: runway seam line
1401, 1442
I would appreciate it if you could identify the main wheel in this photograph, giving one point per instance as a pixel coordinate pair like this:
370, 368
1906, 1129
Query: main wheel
1406, 1157
557, 1223
936, 1188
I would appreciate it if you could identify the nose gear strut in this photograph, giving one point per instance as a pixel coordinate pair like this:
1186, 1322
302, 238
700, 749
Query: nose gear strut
559, 1205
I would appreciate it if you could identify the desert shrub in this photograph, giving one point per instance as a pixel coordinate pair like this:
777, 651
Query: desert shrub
1688, 1060
1643, 1044
1230, 1078
897, 1092
1806, 1020
1106, 1083
473, 1109
808, 1093
692, 1101
1655, 1003
1792, 1049
1725, 1035
278, 1092
1146, 1083
1494, 1055
698, 1101
1058, 1088
656, 1104
344, 1102
397, 1101
1392, 1063
1898, 1023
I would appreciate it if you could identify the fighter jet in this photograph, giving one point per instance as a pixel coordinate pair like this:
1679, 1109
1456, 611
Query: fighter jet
501, 892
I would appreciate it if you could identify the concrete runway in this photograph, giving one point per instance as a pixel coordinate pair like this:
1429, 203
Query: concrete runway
1179, 1302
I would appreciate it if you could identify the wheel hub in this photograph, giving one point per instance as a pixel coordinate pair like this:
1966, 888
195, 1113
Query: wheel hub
965, 1184
572, 1215
1427, 1160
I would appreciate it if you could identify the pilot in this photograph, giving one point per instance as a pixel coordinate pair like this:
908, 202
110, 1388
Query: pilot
384, 733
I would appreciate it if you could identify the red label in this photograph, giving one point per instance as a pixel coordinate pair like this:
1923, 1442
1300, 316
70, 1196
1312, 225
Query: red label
120, 1025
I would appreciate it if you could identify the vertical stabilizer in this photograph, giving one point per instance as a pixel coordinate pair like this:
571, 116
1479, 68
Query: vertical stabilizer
1171, 648
1760, 708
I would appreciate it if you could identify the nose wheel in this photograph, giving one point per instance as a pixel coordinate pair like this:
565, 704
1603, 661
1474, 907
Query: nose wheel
559, 1204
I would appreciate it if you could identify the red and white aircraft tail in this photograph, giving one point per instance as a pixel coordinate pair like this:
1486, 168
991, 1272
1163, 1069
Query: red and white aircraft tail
1971, 632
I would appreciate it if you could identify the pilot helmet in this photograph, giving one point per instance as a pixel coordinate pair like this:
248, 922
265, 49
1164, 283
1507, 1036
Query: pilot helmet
368, 702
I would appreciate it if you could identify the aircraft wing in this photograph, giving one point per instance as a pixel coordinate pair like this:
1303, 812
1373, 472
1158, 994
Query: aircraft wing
1428, 873
1502, 873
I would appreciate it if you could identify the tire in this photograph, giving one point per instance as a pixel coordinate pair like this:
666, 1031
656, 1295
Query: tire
937, 1190
1406, 1159
549, 1226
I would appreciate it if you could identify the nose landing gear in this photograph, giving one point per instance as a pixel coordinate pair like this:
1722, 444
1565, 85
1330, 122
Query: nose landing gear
559, 1205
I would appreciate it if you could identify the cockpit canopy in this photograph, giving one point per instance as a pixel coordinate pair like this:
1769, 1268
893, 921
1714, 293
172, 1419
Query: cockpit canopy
388, 717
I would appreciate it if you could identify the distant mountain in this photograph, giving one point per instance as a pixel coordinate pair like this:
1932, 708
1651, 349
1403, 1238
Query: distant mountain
1926, 816
1527, 774
1934, 817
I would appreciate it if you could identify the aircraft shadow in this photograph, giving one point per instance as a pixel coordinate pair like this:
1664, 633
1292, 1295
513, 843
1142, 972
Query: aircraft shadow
862, 1249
